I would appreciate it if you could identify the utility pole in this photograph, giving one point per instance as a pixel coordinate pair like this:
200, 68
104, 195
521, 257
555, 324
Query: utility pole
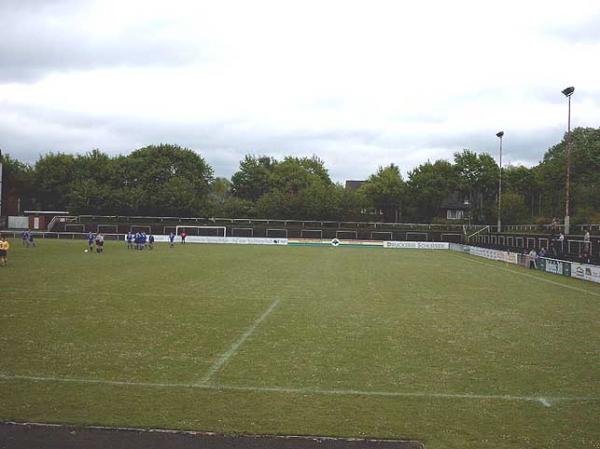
499, 135
567, 93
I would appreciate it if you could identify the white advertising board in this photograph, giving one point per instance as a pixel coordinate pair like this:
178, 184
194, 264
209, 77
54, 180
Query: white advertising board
16, 222
231, 240
585, 271
459, 247
494, 254
416, 245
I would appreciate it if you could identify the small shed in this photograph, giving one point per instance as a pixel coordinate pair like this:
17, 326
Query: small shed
453, 208
39, 219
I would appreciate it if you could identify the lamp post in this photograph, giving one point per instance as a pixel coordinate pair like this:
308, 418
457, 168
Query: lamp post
499, 135
567, 93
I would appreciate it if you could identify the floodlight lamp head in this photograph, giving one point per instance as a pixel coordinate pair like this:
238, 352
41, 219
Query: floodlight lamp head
500, 134
568, 91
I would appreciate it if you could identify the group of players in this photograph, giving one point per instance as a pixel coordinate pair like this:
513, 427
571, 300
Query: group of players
28, 239
97, 240
139, 240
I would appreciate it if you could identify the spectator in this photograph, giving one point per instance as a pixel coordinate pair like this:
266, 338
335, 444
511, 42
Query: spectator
532, 259
561, 243
586, 241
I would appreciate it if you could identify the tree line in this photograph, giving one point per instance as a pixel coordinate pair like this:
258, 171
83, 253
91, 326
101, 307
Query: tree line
168, 180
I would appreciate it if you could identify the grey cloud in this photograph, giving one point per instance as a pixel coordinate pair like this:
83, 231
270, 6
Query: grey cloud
349, 153
587, 31
39, 37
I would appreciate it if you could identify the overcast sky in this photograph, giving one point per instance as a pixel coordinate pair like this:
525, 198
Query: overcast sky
358, 83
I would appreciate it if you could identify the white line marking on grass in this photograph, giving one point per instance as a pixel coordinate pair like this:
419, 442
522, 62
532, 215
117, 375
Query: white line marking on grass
545, 400
68, 294
548, 281
221, 361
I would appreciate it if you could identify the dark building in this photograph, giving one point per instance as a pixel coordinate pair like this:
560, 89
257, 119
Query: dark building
454, 208
354, 185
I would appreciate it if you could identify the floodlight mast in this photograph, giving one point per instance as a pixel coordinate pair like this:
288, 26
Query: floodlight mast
499, 135
567, 93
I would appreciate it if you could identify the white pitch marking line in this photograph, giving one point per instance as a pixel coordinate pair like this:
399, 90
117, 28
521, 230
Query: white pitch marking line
546, 400
221, 361
528, 275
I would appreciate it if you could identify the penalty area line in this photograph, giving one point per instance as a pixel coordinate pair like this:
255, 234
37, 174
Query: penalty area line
546, 401
221, 361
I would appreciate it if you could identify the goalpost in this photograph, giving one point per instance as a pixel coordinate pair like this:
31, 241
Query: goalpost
79, 228
138, 228
249, 232
382, 235
215, 231
345, 231
112, 228
320, 231
168, 229
417, 236
272, 230
452, 237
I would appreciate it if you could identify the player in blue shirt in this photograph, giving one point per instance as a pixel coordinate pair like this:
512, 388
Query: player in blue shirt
129, 239
150, 241
90, 238
31, 242
171, 239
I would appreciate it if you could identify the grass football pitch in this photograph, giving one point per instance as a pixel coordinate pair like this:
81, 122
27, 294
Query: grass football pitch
451, 350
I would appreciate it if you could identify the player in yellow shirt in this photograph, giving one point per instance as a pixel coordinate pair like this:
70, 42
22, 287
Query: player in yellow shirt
4, 246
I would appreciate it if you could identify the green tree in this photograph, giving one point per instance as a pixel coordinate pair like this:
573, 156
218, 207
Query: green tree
54, 174
17, 184
174, 180
521, 180
585, 174
478, 178
300, 188
385, 191
429, 185
514, 210
252, 180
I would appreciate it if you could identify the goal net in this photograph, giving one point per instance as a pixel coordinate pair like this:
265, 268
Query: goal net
278, 233
242, 232
417, 236
74, 227
203, 231
346, 234
381, 235
139, 228
311, 233
107, 229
